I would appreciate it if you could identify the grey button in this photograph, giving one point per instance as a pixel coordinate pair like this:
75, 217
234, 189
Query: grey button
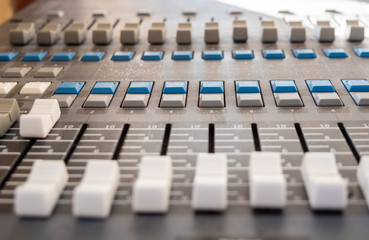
269, 32
327, 99
173, 101
22, 34
130, 33
34, 88
48, 72
98, 100
239, 31
288, 99
361, 98
75, 33
16, 72
9, 113
157, 33
65, 100
211, 35
249, 100
102, 34
6, 87
135, 100
49, 34
211, 100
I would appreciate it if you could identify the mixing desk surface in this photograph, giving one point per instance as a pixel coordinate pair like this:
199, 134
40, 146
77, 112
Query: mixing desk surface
184, 120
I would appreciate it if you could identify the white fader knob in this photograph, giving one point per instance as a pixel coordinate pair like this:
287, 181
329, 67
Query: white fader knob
157, 33
93, 197
267, 183
325, 187
41, 118
75, 34
324, 32
151, 189
22, 34
38, 196
354, 31
130, 33
103, 33
211, 33
49, 34
297, 31
362, 175
184, 33
239, 31
209, 192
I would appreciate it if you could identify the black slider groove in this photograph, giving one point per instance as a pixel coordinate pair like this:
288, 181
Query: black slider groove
122, 138
349, 141
255, 135
211, 138
75, 143
116, 23
165, 144
302, 139
17, 162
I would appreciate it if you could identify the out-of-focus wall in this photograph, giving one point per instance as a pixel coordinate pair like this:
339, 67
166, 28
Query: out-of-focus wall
9, 7
6, 10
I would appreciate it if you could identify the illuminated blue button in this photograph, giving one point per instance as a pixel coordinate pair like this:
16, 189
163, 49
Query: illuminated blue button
281, 86
320, 86
304, 53
356, 85
69, 88
335, 53
123, 56
93, 56
152, 55
212, 54
182, 55
140, 88
361, 52
247, 87
242, 54
273, 54
63, 56
8, 56
105, 88
34, 56
175, 87
211, 87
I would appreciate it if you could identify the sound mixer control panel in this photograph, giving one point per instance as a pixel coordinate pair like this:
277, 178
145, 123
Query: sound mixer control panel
153, 120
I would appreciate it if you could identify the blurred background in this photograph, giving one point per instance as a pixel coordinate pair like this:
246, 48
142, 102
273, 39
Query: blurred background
9, 7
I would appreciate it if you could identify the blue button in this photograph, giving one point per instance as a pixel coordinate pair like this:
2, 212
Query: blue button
242, 54
175, 87
212, 54
304, 53
211, 87
335, 53
105, 88
273, 54
69, 88
34, 56
140, 88
361, 52
93, 56
152, 55
63, 56
8, 56
320, 86
123, 56
281, 86
247, 87
356, 85
182, 55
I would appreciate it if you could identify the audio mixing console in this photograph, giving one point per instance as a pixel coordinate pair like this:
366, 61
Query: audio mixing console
184, 120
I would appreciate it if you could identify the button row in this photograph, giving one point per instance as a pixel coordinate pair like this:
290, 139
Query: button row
184, 55
44, 72
326, 188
